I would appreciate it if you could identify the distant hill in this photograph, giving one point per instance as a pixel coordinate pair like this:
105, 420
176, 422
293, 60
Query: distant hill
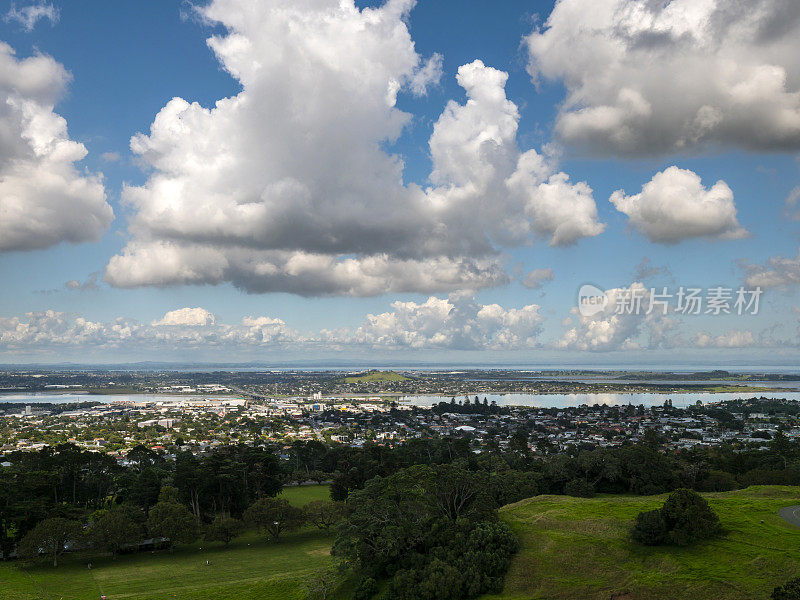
376, 376
580, 548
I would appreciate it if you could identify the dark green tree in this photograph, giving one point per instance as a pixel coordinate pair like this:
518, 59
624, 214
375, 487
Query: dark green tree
224, 529
111, 530
274, 516
51, 537
324, 514
173, 521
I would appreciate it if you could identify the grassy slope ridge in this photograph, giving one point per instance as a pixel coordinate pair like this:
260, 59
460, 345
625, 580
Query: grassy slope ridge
376, 376
580, 548
251, 569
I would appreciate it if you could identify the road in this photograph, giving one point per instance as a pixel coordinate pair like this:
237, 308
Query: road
791, 514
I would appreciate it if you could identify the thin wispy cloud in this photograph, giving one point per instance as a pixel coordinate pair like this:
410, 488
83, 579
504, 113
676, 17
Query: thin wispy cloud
29, 16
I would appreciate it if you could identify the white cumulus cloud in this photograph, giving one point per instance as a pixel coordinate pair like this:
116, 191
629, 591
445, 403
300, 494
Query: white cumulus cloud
626, 320
288, 185
675, 206
182, 329
457, 322
735, 338
779, 271
44, 198
191, 317
653, 77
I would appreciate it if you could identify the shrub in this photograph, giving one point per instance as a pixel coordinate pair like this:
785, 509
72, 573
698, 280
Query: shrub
649, 528
689, 518
788, 591
684, 519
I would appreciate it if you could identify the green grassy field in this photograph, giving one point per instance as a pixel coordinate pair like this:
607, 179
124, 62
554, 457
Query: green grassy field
573, 548
251, 569
303, 494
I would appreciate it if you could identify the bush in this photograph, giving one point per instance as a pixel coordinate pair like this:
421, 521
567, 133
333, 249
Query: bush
689, 518
788, 591
649, 528
684, 519
579, 488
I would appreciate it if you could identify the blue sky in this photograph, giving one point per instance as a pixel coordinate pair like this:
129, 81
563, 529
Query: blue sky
128, 60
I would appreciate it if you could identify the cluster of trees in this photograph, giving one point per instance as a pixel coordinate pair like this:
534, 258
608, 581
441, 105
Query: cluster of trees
425, 532
122, 527
69, 482
684, 519
467, 407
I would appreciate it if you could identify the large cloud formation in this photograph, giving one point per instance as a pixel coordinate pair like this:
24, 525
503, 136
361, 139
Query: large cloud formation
457, 323
654, 76
674, 206
630, 313
287, 186
44, 199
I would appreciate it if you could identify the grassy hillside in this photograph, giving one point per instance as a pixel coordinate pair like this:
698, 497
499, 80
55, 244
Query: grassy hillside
251, 569
376, 376
579, 548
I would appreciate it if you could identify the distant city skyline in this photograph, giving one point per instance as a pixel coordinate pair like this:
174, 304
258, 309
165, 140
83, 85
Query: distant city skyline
398, 183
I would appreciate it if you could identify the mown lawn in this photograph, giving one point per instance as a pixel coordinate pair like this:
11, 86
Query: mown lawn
251, 569
574, 548
299, 495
